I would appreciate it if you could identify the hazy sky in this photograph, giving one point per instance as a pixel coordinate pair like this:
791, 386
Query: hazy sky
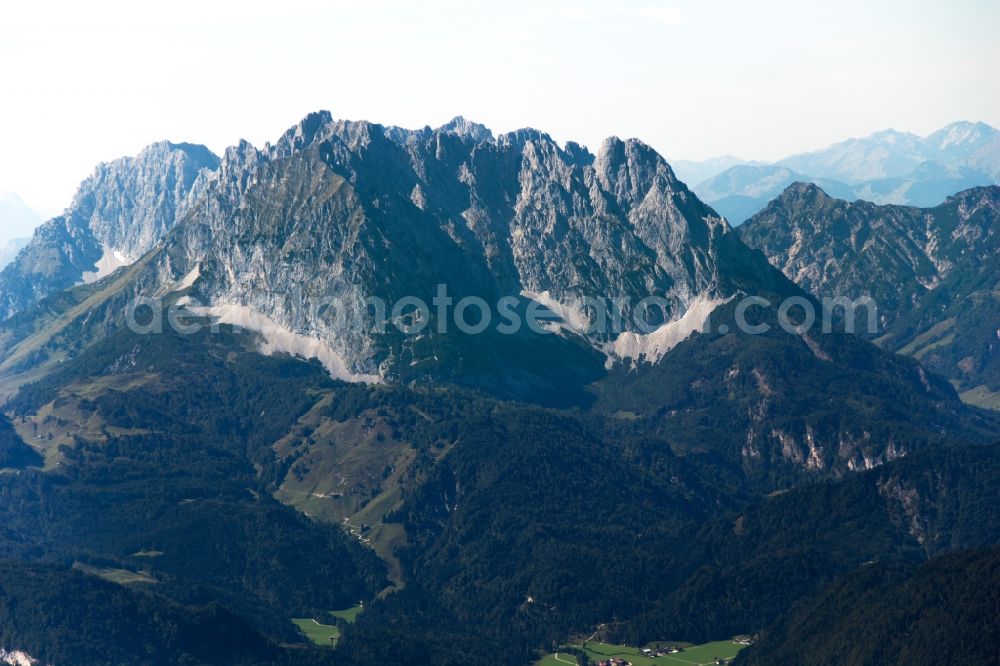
89, 81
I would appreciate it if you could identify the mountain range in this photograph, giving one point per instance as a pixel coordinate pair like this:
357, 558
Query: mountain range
887, 167
694, 172
117, 215
516, 216
17, 219
893, 154
209, 431
17, 222
10, 250
933, 272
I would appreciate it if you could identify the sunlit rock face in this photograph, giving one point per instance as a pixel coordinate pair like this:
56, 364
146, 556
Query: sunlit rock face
931, 272
117, 215
340, 211
289, 238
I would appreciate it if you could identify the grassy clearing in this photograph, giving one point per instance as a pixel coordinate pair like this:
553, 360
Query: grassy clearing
320, 634
556, 660
60, 422
48, 327
350, 615
981, 396
119, 576
924, 339
697, 655
943, 342
327, 635
351, 473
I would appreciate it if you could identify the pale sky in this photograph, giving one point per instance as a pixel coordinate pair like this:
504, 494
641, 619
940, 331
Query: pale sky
84, 82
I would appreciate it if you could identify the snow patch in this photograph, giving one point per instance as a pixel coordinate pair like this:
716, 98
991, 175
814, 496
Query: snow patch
109, 262
651, 347
279, 339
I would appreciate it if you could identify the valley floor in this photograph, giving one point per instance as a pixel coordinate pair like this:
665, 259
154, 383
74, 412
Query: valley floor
699, 655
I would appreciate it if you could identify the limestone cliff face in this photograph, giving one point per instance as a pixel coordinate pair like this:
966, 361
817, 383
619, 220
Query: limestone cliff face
117, 215
931, 271
292, 239
340, 211
293, 235
829, 245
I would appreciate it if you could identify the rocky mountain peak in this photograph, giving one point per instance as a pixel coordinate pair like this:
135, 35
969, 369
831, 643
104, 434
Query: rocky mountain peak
579, 154
17, 220
962, 135
352, 209
466, 128
931, 271
977, 197
517, 139
130, 203
165, 150
302, 134
631, 168
804, 198
118, 214
344, 211
891, 136
804, 191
